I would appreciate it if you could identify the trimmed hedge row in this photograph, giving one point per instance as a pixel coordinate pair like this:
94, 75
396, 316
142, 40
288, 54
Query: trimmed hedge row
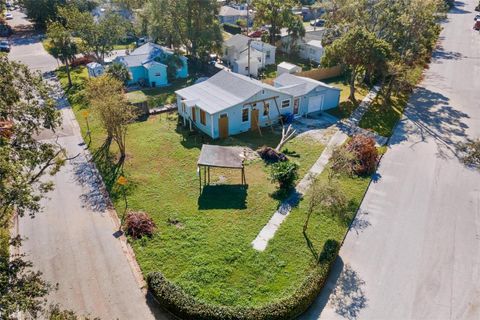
232, 28
185, 306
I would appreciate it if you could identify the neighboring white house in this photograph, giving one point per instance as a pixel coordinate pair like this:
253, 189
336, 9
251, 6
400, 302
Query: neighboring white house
95, 69
286, 67
229, 14
230, 103
309, 47
238, 49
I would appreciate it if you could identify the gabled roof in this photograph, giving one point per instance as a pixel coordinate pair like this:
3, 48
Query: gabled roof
144, 54
315, 43
238, 41
227, 11
287, 65
290, 83
223, 90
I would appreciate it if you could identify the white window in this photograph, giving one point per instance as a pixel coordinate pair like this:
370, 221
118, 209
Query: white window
157, 74
268, 54
286, 103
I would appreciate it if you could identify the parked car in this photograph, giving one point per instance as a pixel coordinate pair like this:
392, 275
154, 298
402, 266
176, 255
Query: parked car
256, 34
477, 17
4, 46
476, 26
317, 23
8, 16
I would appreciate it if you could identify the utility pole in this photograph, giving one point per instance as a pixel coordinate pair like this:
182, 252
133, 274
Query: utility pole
249, 41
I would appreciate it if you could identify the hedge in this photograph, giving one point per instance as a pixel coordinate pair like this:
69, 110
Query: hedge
232, 28
185, 306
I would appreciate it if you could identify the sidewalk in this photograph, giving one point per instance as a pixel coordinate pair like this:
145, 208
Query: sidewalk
268, 231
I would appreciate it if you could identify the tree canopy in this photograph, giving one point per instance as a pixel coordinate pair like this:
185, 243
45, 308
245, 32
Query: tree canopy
61, 45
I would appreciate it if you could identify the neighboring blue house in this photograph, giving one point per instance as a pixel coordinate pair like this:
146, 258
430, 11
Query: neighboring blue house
229, 103
147, 64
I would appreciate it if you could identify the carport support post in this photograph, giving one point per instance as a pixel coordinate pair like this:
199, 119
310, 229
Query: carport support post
208, 175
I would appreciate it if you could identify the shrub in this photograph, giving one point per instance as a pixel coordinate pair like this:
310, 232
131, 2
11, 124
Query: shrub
329, 252
285, 173
366, 154
232, 28
470, 153
139, 224
270, 155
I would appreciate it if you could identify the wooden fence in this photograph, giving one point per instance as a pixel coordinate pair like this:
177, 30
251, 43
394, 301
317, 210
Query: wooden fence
321, 73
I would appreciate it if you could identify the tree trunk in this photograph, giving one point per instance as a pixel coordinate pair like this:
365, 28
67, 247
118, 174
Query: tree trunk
352, 87
305, 225
67, 68
388, 93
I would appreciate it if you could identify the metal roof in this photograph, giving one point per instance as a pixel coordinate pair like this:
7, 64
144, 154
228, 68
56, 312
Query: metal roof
286, 81
229, 11
222, 157
222, 91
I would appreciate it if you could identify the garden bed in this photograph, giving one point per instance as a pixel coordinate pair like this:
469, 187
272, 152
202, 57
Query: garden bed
207, 252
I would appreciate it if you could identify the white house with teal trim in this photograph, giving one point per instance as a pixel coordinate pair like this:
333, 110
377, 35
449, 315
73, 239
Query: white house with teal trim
147, 64
229, 103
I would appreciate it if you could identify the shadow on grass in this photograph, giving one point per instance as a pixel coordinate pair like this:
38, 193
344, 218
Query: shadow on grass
223, 197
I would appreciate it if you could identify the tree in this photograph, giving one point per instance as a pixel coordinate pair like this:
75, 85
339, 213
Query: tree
276, 13
327, 195
62, 46
97, 38
365, 152
190, 25
108, 101
296, 30
173, 62
358, 51
25, 110
119, 71
285, 173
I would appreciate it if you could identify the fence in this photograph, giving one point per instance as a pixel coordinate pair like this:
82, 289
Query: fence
321, 73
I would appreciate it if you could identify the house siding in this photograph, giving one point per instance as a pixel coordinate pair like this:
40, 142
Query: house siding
157, 75
137, 74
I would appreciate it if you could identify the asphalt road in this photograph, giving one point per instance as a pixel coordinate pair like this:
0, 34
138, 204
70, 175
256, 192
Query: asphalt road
414, 250
73, 242
26, 45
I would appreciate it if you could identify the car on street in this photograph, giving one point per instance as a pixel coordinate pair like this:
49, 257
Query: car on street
477, 17
4, 46
8, 16
317, 23
476, 26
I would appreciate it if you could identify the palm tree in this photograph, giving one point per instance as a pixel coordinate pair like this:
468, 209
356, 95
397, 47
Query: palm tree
296, 30
62, 45
119, 71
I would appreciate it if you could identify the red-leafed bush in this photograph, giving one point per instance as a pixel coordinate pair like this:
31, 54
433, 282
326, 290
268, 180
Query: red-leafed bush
139, 224
82, 61
270, 155
366, 154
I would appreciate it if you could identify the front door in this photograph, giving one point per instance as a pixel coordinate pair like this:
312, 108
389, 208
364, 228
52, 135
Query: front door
194, 115
296, 105
254, 124
223, 126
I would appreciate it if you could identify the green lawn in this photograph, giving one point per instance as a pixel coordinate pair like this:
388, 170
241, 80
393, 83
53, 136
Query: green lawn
161, 95
207, 251
381, 117
346, 107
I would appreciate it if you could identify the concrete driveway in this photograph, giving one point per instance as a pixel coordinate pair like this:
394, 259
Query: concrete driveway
413, 251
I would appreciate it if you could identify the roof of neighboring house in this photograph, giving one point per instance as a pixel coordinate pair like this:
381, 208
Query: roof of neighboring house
315, 43
144, 54
227, 11
223, 90
240, 42
290, 84
94, 65
288, 66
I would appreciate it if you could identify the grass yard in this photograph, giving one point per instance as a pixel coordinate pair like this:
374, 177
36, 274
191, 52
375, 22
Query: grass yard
160, 95
381, 117
203, 241
346, 107
270, 72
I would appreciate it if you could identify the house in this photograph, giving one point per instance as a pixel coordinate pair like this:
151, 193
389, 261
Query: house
229, 103
148, 65
102, 10
238, 49
231, 14
309, 47
95, 69
285, 67
309, 95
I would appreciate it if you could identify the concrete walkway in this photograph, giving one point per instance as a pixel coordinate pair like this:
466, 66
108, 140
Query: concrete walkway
268, 231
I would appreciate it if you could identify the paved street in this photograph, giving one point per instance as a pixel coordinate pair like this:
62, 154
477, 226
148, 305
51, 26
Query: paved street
73, 240
414, 250
27, 45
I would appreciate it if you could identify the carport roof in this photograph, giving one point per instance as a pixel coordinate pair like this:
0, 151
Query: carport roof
221, 157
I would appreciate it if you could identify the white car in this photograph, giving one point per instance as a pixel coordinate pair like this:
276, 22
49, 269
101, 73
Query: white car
8, 16
477, 17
